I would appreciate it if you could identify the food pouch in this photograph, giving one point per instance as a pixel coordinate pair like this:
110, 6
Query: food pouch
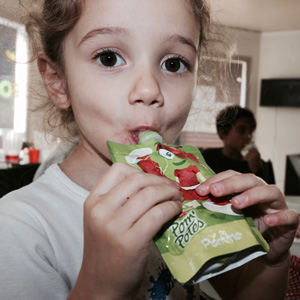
209, 237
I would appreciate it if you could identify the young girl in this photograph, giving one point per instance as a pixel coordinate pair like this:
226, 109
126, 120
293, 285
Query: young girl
84, 229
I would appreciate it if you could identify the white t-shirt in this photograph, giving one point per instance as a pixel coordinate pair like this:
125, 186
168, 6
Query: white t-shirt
41, 244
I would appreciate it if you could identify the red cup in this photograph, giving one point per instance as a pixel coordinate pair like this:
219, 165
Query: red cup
34, 155
12, 159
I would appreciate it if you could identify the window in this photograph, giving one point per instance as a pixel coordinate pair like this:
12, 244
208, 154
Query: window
200, 129
13, 76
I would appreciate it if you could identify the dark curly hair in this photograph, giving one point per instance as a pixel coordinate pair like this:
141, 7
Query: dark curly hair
228, 116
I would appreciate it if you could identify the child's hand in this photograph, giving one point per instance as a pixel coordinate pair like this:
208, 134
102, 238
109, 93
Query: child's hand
265, 203
121, 216
253, 159
298, 231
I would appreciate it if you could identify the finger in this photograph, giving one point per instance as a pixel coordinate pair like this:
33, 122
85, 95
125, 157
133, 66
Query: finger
116, 173
120, 184
253, 150
147, 198
270, 195
229, 182
131, 185
298, 231
287, 217
203, 188
235, 184
152, 222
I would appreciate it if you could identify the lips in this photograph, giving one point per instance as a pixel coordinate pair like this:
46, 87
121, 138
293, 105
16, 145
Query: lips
134, 137
139, 131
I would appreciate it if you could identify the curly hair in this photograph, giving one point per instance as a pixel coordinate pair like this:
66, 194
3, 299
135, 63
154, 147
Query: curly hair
228, 116
48, 27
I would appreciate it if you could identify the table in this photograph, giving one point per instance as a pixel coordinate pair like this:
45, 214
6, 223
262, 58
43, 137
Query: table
16, 177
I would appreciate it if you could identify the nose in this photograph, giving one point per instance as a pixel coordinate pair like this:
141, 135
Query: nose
249, 137
146, 90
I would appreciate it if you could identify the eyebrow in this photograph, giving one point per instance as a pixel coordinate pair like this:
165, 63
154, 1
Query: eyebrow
104, 30
122, 31
183, 40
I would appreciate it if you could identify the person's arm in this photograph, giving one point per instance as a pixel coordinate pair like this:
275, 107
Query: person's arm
256, 280
121, 216
265, 277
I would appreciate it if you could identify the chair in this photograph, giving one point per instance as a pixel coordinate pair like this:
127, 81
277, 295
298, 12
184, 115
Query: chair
16, 177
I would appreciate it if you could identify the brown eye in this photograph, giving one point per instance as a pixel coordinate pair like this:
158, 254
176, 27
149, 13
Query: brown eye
174, 65
109, 59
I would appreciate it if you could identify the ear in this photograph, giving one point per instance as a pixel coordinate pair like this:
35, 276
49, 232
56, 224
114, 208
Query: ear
53, 81
221, 133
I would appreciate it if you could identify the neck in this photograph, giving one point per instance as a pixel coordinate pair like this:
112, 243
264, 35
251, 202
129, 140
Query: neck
232, 153
84, 168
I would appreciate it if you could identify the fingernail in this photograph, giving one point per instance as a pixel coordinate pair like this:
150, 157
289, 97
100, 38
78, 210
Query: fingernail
202, 189
182, 197
240, 199
176, 184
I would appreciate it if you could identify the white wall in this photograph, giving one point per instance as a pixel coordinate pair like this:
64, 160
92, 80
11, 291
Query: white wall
279, 128
248, 46
273, 55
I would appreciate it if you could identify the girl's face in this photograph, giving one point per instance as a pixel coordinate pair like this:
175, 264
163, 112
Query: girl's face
239, 135
131, 66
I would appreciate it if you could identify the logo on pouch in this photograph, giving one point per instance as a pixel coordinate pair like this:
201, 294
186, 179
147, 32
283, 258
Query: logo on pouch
183, 229
222, 240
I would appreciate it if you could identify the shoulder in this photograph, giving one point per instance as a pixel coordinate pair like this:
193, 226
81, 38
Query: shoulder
51, 192
211, 152
34, 221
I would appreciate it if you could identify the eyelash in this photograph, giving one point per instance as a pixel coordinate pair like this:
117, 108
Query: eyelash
97, 55
182, 59
179, 57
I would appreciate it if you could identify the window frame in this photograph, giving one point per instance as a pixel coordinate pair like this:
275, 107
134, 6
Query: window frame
200, 129
20, 84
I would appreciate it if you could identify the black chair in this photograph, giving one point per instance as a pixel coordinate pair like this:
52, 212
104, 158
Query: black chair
16, 177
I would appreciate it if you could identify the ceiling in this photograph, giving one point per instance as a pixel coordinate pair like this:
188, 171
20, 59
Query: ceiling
257, 15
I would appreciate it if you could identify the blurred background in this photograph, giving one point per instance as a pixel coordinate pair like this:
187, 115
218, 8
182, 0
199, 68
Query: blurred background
267, 43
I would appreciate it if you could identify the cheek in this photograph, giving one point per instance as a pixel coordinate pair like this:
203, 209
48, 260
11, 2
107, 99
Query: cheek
238, 141
178, 112
184, 104
183, 96
88, 96
183, 110
86, 107
88, 110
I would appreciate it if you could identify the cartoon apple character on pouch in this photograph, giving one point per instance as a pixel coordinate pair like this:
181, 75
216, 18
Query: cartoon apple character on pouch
188, 176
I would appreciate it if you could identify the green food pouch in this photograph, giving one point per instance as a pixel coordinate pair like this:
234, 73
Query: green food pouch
209, 237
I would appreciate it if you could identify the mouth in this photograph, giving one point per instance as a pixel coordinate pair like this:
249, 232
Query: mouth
138, 132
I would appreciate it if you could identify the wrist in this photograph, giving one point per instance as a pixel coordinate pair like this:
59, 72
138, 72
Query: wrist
281, 262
